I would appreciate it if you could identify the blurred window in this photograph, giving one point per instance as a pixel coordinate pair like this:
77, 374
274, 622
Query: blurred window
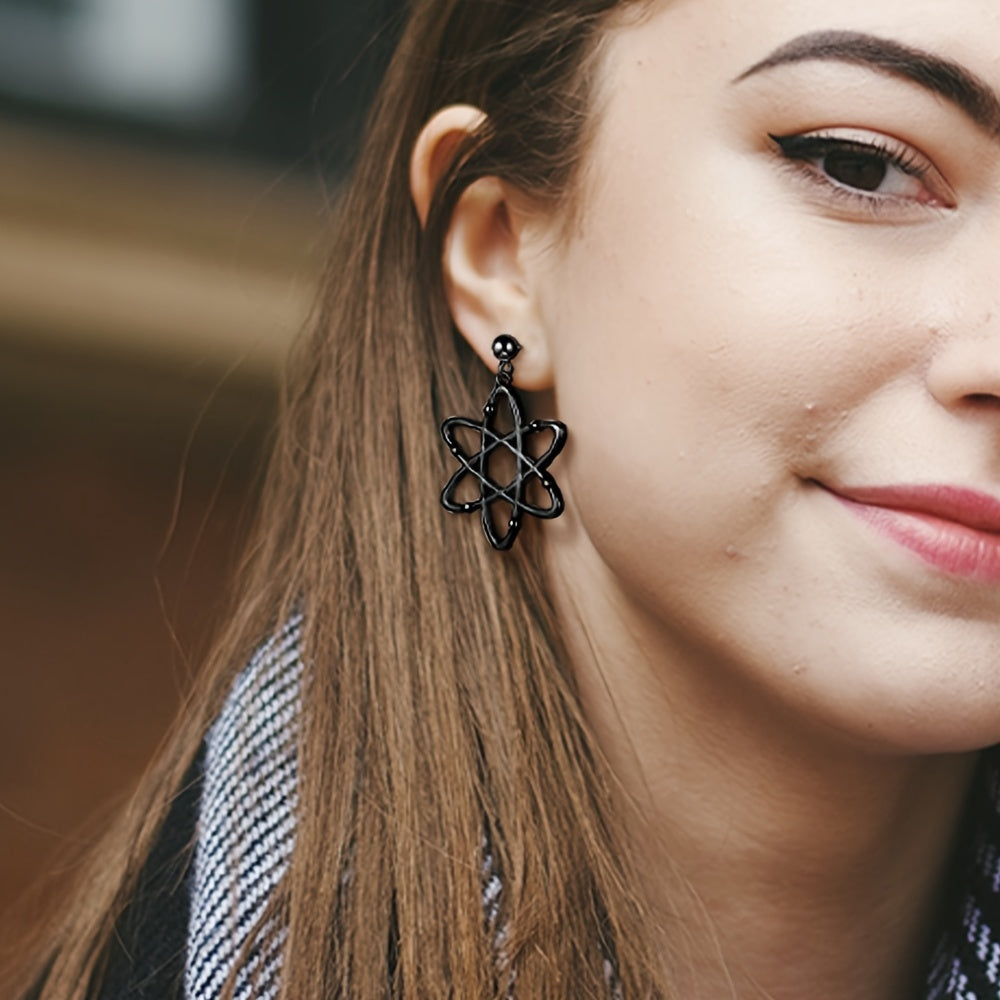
176, 61
271, 78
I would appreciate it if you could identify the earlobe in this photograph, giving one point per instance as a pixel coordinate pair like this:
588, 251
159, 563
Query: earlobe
485, 253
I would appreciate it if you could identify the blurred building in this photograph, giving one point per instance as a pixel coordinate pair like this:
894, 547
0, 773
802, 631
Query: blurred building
165, 174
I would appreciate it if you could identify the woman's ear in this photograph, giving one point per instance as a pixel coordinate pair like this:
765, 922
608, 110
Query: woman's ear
486, 256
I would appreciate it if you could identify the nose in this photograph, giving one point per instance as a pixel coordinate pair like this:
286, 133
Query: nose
964, 372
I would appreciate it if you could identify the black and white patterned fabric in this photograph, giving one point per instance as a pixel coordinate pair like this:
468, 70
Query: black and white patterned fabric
246, 831
966, 964
246, 825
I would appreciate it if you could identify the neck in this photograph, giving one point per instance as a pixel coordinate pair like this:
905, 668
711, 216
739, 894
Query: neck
818, 878
806, 863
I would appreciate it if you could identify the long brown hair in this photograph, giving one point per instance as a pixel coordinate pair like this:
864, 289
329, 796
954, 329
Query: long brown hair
438, 706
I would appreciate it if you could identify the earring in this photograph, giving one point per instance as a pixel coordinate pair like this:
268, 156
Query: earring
505, 349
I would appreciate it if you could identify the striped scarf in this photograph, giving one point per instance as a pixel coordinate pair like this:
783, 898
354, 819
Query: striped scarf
246, 831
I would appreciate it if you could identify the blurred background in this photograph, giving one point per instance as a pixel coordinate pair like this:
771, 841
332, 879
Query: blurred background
166, 170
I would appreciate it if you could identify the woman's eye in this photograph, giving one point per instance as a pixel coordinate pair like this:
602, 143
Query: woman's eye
856, 168
871, 169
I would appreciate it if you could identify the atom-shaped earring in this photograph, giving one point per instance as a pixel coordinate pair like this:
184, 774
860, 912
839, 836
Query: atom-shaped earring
505, 349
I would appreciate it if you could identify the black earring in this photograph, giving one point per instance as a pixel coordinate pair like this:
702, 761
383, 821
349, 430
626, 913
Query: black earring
505, 349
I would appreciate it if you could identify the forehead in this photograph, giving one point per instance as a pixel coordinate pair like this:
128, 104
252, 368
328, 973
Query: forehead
717, 34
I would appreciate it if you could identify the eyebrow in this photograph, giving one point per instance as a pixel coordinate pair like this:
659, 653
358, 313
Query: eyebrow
940, 76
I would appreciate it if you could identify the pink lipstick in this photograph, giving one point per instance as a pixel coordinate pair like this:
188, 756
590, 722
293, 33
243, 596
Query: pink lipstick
952, 528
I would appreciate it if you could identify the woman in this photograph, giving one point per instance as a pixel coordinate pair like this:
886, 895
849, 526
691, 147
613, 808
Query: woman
714, 732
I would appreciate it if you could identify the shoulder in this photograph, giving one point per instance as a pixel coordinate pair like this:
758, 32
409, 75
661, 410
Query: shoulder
147, 951
224, 843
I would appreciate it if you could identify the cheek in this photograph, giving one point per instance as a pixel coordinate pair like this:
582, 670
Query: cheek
703, 370
686, 402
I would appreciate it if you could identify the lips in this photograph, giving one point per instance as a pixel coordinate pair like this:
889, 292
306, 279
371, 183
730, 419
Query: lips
954, 529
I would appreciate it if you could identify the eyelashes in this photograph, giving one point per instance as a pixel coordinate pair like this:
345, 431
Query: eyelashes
868, 170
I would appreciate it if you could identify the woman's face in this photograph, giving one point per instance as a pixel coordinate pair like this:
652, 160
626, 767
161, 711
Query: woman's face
776, 341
